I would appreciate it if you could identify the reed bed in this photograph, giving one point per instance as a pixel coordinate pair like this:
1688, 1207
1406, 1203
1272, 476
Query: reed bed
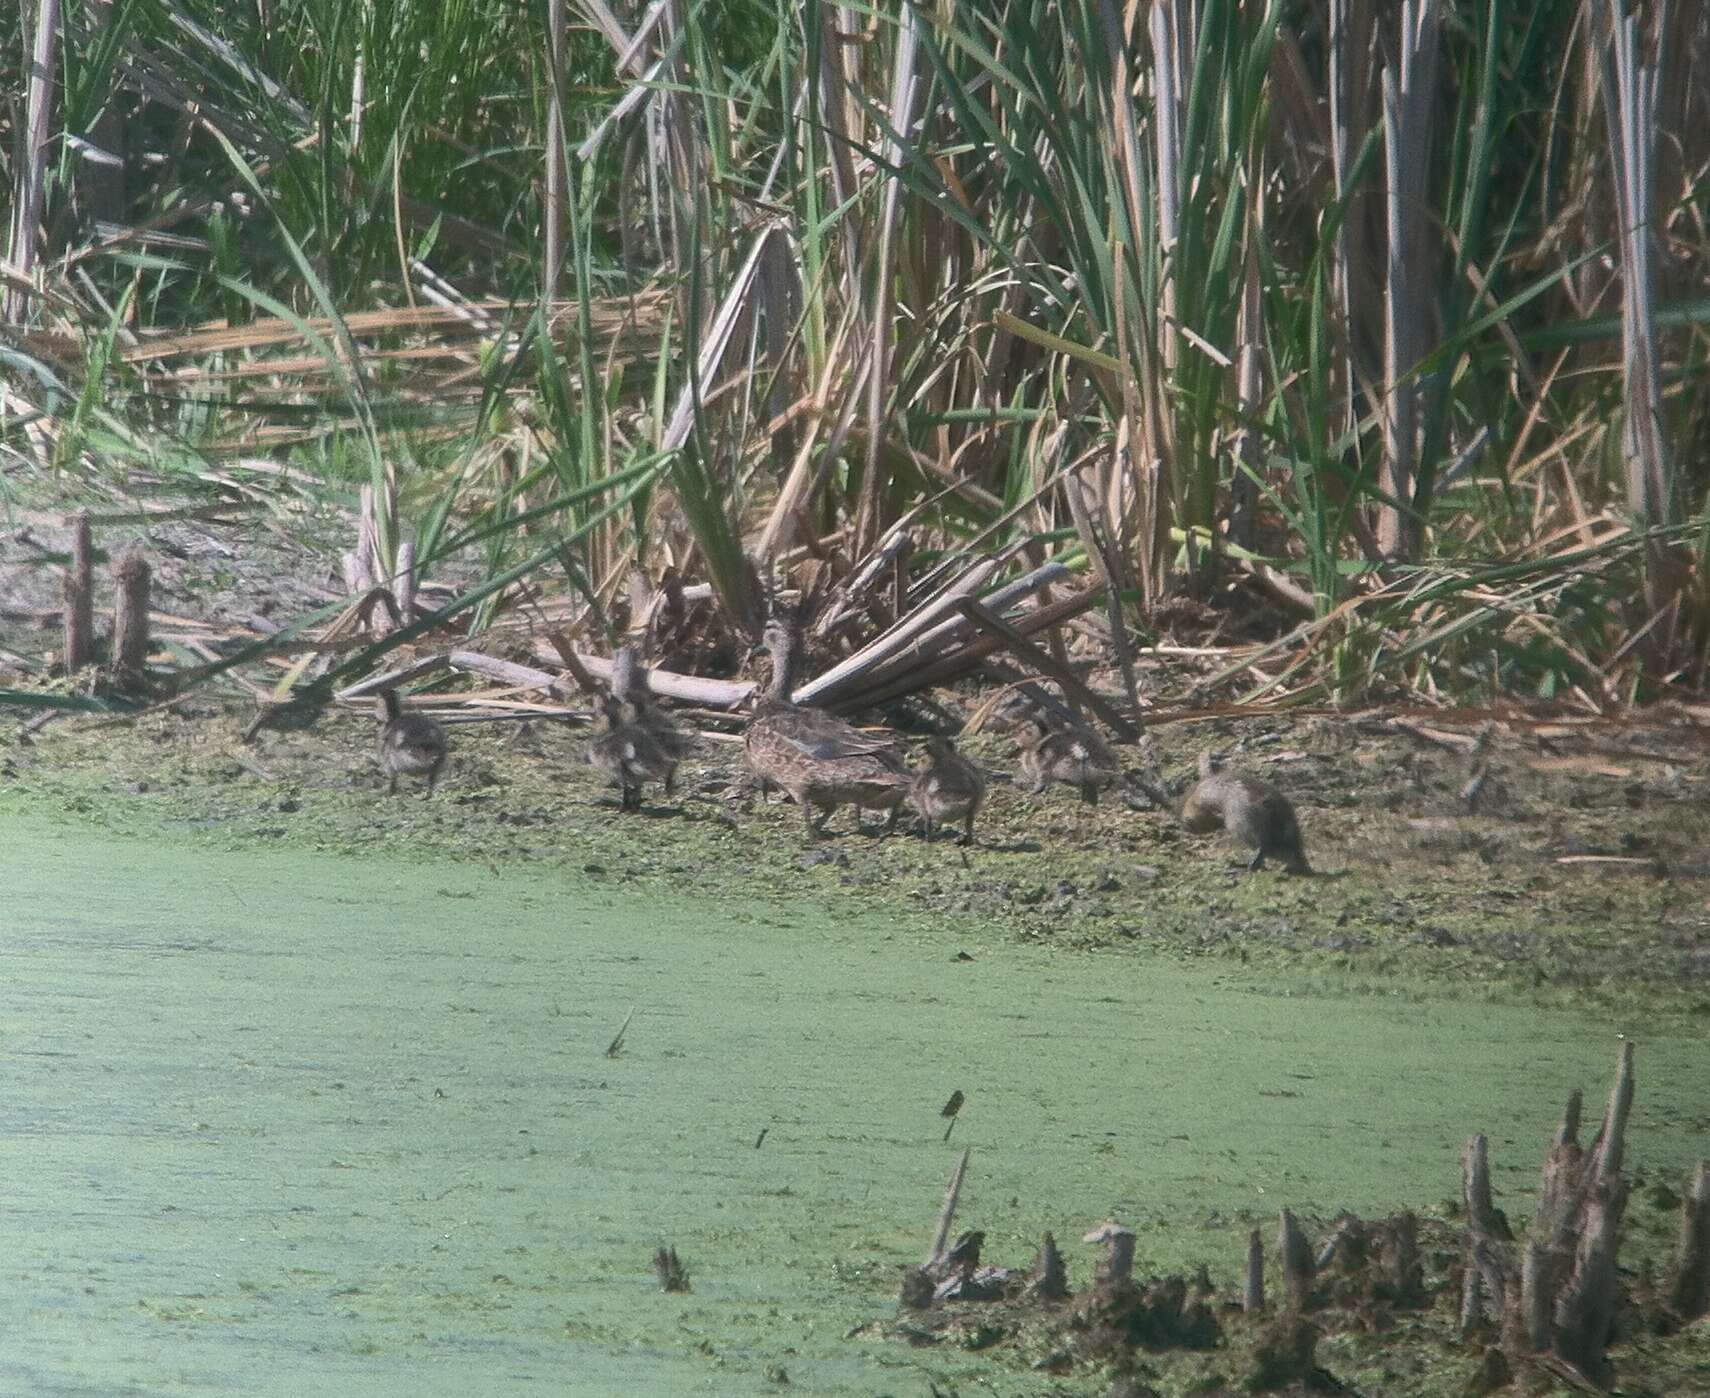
1374, 332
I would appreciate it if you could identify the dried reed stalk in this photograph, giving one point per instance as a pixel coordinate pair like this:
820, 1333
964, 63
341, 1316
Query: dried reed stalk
130, 617
80, 597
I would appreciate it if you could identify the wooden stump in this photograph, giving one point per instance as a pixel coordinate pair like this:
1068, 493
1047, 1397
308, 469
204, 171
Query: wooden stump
79, 598
1253, 1291
1555, 1297
130, 618
1691, 1294
1482, 1214
1117, 1264
1048, 1279
669, 1268
1296, 1264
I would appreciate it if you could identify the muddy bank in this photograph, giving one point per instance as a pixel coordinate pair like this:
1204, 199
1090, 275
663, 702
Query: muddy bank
1582, 878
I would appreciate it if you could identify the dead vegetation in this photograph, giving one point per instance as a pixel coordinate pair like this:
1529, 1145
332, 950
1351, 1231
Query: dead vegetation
1520, 1317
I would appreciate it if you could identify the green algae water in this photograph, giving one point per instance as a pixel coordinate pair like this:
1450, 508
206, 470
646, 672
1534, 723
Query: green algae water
284, 1123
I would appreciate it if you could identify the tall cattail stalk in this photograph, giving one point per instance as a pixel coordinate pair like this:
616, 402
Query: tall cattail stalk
905, 86
30, 179
1629, 103
1408, 98
555, 212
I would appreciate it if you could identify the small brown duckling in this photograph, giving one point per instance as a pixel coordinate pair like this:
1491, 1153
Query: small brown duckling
629, 754
629, 684
947, 787
1253, 811
1075, 756
410, 744
672, 740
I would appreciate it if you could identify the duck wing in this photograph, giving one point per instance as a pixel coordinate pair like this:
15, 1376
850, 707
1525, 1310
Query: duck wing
826, 738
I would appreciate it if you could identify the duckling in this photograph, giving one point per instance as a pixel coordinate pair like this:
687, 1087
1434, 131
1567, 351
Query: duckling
630, 687
629, 754
1253, 811
1075, 756
948, 786
820, 760
410, 744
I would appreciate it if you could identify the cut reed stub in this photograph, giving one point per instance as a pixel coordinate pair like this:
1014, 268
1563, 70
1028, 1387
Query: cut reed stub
1048, 1277
1691, 1291
1253, 1287
669, 1268
950, 1109
130, 617
1554, 1295
1297, 1269
1117, 1264
79, 597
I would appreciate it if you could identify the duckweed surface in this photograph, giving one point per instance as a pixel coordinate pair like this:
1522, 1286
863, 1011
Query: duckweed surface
284, 1120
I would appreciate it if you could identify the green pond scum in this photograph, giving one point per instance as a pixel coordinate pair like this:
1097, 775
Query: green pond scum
309, 1089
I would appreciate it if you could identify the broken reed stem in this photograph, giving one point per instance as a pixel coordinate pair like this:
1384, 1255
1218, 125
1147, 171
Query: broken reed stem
1691, 1296
1045, 663
1253, 1291
1296, 1264
404, 582
1536, 1296
1400, 1257
955, 664
79, 597
616, 1045
1472, 1300
669, 1268
1556, 1293
1568, 1131
1117, 1264
1584, 1313
947, 1214
926, 633
1475, 1189
1612, 1139
130, 616
1049, 1276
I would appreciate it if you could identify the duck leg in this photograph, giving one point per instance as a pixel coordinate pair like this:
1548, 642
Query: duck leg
968, 828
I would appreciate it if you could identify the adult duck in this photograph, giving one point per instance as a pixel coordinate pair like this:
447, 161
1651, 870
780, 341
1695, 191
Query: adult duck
820, 760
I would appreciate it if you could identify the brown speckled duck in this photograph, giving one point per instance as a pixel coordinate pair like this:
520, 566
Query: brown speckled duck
1253, 811
820, 760
947, 788
629, 754
1076, 756
410, 744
